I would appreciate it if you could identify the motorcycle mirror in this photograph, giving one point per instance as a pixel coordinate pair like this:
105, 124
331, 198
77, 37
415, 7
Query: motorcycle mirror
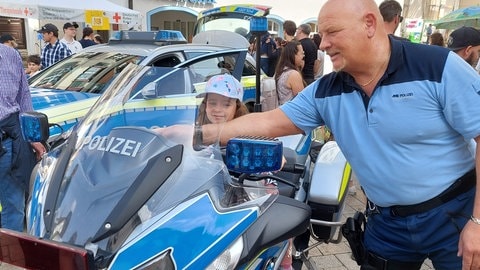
35, 127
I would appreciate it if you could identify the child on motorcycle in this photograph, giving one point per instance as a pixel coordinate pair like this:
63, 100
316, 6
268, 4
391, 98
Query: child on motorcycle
223, 102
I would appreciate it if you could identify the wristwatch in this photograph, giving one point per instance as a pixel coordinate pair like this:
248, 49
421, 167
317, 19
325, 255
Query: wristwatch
197, 137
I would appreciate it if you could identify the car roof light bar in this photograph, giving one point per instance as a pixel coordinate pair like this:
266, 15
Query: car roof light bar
162, 36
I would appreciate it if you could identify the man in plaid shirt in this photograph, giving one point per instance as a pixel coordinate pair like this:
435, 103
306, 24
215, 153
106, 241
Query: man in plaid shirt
54, 50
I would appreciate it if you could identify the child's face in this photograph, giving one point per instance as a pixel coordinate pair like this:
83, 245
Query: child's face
33, 67
220, 108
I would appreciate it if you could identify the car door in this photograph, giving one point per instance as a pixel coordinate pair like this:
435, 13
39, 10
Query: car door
201, 69
219, 62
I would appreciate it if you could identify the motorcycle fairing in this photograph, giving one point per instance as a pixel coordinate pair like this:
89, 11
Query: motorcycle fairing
88, 187
195, 230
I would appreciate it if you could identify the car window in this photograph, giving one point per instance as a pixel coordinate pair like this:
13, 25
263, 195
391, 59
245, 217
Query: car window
175, 84
167, 61
89, 72
193, 54
205, 69
249, 69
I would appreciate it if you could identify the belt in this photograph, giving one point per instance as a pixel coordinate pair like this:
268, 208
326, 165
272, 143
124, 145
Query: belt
462, 185
377, 262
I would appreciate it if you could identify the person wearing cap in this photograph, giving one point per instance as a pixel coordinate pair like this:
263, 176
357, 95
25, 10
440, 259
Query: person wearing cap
310, 50
54, 50
17, 157
222, 100
69, 34
465, 41
8, 40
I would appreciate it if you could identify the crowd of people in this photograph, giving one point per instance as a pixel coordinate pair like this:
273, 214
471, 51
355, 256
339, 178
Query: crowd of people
405, 115
17, 157
55, 49
294, 60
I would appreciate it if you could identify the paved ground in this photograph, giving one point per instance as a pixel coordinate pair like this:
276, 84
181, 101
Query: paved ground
326, 256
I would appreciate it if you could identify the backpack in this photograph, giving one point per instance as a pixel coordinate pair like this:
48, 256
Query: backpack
269, 96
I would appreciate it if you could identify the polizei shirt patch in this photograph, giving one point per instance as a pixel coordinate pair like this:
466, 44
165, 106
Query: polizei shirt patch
114, 145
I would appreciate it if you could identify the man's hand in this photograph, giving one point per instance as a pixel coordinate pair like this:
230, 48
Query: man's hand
469, 246
39, 149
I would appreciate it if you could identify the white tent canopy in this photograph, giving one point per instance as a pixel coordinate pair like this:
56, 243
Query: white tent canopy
68, 10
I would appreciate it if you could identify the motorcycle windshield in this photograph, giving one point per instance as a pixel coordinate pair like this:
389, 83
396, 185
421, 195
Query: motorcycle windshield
130, 163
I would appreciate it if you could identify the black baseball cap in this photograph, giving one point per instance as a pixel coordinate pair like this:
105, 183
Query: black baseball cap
463, 37
47, 28
70, 24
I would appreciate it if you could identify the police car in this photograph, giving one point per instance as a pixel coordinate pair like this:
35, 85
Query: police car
66, 90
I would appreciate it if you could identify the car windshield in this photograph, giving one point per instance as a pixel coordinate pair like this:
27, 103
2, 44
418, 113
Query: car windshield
227, 22
89, 72
235, 18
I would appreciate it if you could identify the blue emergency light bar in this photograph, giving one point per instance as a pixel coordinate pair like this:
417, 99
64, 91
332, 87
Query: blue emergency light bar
162, 36
258, 24
254, 154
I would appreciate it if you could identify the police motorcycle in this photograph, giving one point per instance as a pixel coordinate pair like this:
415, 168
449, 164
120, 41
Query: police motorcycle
122, 194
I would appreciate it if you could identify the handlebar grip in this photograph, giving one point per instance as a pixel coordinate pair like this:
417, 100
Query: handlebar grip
294, 168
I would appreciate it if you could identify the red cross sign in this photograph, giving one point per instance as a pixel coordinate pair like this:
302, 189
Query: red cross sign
117, 17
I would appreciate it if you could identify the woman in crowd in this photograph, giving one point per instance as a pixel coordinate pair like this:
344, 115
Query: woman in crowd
318, 66
288, 76
98, 39
87, 39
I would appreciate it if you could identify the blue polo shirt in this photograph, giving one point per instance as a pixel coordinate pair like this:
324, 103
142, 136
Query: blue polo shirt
408, 142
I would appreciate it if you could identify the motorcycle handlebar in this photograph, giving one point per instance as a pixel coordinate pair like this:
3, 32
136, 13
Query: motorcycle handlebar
294, 168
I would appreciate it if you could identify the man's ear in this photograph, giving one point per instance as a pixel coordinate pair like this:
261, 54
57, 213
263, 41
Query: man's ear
468, 50
370, 21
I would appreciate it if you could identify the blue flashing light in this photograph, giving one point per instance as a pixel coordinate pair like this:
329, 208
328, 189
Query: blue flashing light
164, 36
258, 24
254, 155
169, 35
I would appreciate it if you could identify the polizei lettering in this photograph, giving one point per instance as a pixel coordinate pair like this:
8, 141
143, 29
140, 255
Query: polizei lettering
114, 145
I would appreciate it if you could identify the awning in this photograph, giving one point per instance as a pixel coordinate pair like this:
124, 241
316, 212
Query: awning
68, 10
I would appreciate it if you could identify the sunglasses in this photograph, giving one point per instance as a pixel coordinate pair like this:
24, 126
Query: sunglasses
400, 18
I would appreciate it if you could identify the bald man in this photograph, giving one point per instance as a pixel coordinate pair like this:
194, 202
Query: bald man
402, 113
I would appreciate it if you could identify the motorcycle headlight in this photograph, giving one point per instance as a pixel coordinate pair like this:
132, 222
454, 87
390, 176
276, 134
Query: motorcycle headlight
229, 258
